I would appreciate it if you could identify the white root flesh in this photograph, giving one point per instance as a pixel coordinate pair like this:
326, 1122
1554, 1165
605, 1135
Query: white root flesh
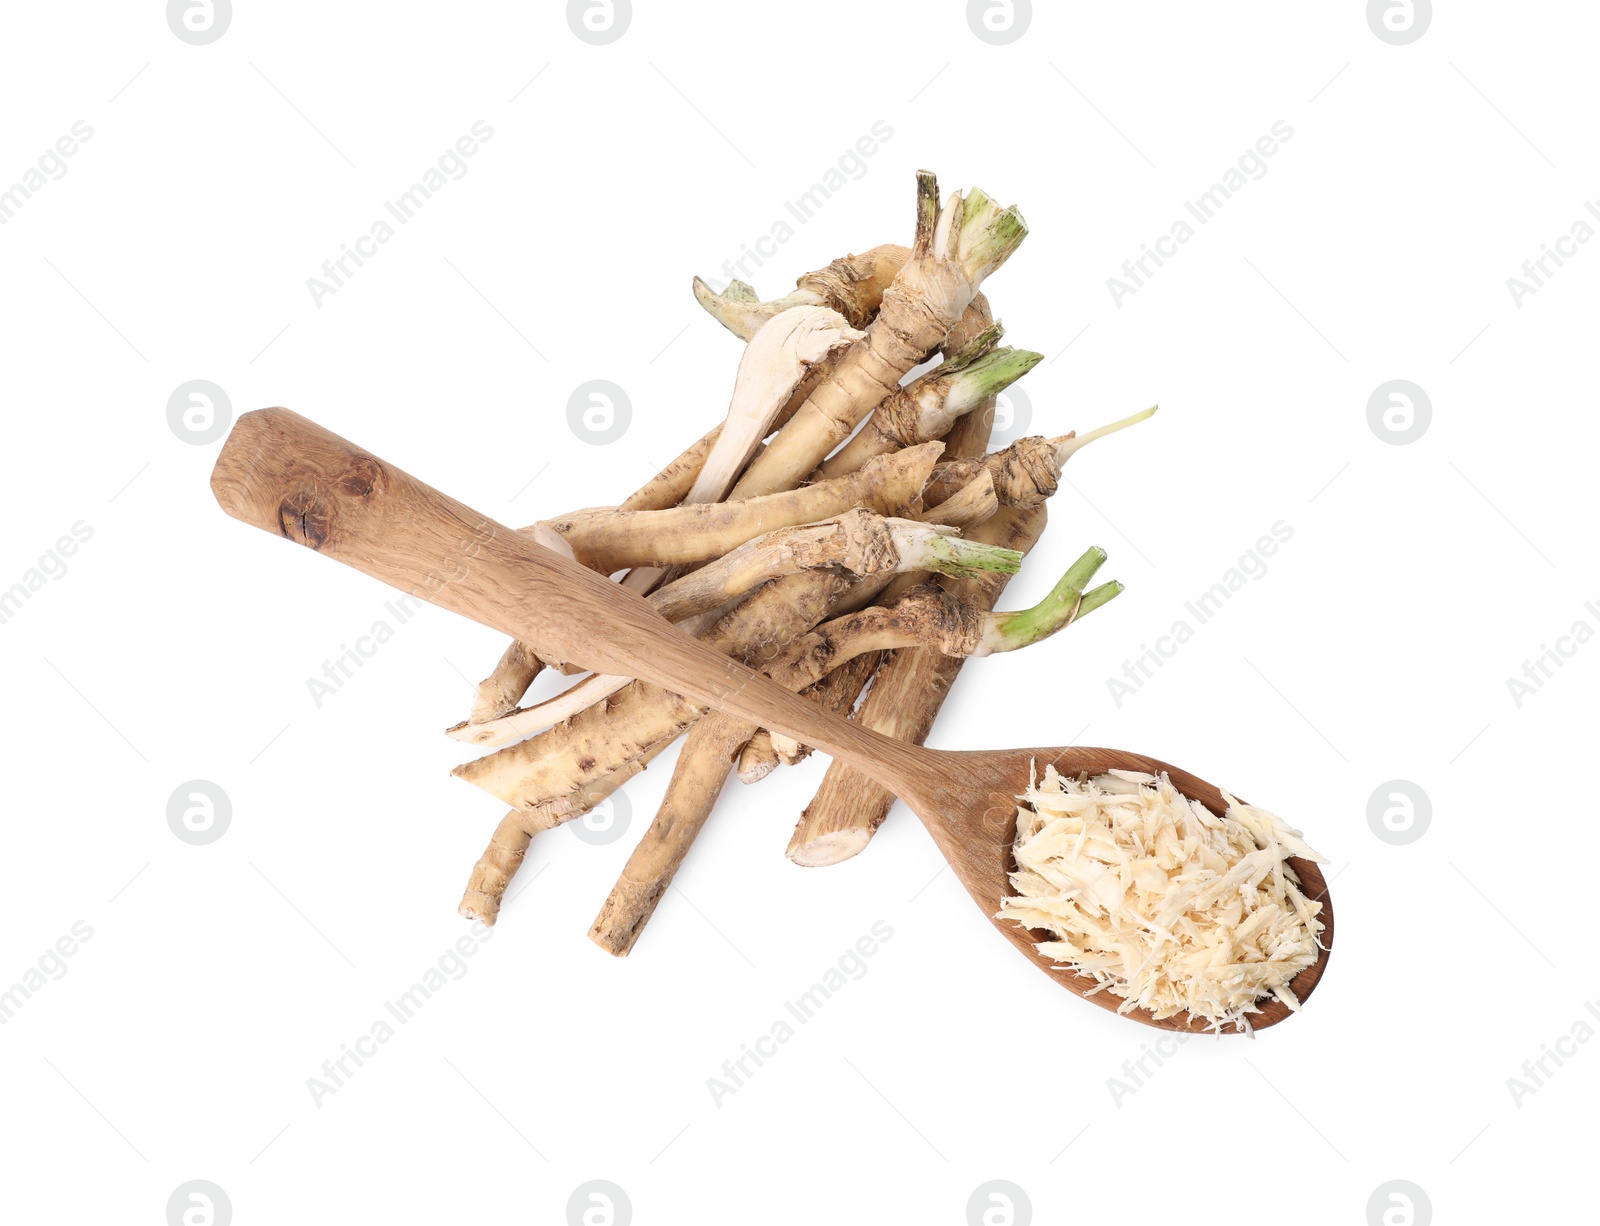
780, 354
776, 361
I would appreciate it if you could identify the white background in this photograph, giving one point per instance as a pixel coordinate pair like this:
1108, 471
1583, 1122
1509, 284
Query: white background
1377, 646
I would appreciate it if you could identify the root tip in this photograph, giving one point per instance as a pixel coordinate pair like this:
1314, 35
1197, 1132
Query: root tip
826, 849
479, 907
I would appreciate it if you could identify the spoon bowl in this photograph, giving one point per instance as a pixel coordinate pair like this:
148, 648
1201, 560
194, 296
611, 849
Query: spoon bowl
289, 476
980, 787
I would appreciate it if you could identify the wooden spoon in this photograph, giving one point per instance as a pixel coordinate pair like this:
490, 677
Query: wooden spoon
291, 477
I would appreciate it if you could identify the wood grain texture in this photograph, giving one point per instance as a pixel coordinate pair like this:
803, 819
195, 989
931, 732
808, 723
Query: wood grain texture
289, 476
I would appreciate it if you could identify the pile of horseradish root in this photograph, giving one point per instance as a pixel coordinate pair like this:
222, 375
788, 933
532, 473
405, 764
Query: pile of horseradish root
1162, 902
846, 529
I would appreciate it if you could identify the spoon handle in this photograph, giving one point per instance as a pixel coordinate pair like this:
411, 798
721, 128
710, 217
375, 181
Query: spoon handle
287, 475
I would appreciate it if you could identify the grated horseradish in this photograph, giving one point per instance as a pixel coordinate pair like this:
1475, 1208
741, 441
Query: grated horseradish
1158, 899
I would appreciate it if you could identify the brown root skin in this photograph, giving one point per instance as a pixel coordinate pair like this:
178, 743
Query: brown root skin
1021, 475
697, 781
494, 870
929, 406
610, 540
643, 579
854, 285
951, 476
975, 322
967, 439
1026, 473
669, 487
928, 616
501, 690
672, 484
970, 505
906, 696
641, 717
492, 874
593, 743
861, 542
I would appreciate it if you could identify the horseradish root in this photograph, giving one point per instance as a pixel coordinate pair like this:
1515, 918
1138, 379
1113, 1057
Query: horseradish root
697, 781
610, 540
509, 844
927, 408
1023, 474
499, 692
841, 530
1160, 901
935, 617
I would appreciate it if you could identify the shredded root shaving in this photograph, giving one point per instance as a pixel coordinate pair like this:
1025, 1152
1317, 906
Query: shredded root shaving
1159, 900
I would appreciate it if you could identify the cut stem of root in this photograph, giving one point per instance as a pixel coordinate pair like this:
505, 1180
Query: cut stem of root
1067, 602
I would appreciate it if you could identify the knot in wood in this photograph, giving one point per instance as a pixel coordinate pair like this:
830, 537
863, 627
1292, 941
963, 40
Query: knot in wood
363, 478
305, 518
307, 515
